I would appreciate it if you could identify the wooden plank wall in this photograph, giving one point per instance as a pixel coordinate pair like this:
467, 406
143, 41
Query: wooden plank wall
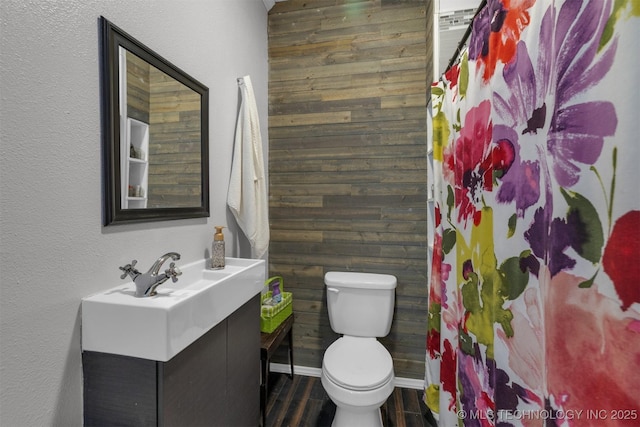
174, 143
138, 90
347, 160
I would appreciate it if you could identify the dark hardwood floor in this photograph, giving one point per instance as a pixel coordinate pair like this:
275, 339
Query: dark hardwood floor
302, 402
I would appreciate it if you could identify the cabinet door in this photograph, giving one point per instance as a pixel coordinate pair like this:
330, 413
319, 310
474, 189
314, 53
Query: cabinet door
191, 384
119, 390
243, 365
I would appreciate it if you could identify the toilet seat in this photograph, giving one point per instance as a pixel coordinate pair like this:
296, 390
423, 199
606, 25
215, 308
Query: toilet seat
358, 364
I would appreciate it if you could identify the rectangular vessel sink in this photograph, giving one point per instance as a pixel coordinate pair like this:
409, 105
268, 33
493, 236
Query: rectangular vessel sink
159, 327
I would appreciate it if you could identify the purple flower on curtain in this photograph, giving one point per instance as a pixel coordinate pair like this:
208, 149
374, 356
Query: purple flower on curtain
542, 107
522, 183
527, 91
575, 131
490, 19
496, 30
487, 391
508, 394
549, 240
476, 386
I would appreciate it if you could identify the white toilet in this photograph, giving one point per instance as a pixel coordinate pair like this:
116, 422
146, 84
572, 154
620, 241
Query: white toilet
357, 371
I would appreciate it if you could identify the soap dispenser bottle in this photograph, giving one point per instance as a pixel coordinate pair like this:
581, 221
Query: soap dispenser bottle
217, 249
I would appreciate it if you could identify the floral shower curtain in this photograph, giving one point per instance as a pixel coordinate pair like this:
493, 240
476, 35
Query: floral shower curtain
534, 296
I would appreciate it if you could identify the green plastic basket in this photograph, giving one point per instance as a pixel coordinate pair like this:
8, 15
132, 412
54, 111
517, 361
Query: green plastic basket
272, 316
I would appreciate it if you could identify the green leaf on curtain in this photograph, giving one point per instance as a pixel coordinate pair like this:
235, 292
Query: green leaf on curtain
434, 317
466, 342
470, 295
504, 318
432, 397
448, 240
619, 7
513, 221
441, 134
457, 126
584, 217
450, 201
463, 80
484, 308
492, 306
514, 280
435, 90
588, 283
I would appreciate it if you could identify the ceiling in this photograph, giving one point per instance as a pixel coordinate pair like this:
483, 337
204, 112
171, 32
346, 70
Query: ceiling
269, 3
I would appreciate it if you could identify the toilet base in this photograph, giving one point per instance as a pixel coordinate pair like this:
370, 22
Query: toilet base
357, 408
357, 417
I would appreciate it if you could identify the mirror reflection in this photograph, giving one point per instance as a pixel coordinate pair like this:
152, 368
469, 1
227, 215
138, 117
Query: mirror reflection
161, 137
155, 134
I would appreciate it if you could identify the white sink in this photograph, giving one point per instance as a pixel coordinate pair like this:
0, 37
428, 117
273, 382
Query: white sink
159, 327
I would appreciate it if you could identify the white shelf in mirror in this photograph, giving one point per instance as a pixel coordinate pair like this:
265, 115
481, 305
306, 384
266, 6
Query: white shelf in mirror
135, 183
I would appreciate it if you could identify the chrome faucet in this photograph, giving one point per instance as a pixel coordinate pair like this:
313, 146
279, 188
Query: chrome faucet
147, 283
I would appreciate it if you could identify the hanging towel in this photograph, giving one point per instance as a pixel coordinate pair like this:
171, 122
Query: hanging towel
247, 196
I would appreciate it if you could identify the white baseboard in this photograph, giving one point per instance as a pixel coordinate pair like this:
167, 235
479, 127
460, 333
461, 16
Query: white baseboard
410, 383
284, 368
307, 371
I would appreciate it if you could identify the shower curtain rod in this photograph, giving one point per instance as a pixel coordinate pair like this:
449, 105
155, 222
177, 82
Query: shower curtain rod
466, 35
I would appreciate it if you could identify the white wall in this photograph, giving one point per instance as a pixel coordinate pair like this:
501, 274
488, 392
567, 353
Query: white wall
450, 5
445, 43
53, 249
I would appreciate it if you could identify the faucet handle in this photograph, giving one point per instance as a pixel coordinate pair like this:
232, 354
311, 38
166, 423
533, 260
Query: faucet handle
173, 272
128, 268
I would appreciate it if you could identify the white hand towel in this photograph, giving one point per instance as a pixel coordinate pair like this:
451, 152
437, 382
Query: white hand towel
247, 197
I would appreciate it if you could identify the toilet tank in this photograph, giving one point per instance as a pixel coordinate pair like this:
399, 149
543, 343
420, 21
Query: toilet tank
360, 304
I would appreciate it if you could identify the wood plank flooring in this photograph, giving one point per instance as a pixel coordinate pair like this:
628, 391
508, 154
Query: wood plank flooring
302, 402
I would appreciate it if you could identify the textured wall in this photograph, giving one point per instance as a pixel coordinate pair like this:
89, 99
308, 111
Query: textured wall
348, 135
53, 249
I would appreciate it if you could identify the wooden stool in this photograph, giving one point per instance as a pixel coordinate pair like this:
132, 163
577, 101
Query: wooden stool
268, 345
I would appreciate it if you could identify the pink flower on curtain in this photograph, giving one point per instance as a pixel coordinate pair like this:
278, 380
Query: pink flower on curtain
439, 308
471, 162
526, 346
438, 276
592, 352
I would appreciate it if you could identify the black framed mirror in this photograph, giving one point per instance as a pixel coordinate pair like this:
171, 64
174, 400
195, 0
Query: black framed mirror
155, 134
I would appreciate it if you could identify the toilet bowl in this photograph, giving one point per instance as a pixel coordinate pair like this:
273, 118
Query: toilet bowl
357, 374
357, 370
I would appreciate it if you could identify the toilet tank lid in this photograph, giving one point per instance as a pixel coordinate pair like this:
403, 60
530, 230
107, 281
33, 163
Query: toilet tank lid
360, 280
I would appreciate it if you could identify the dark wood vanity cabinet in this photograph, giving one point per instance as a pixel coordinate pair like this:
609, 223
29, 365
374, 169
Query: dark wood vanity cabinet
213, 382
